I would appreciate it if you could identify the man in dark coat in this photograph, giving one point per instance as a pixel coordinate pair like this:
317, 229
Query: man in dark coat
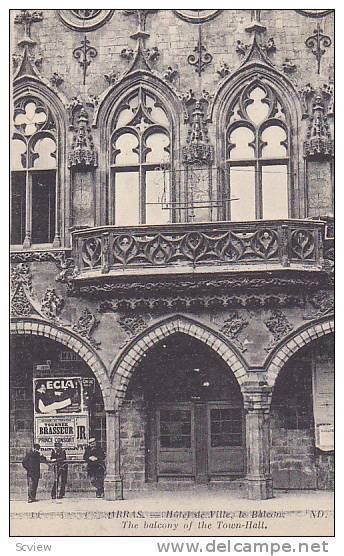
58, 458
95, 457
32, 465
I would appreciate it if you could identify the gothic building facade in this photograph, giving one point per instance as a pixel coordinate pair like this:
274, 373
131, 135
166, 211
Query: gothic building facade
172, 244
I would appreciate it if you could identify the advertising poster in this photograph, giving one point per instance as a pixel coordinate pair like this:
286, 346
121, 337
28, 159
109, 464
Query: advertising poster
61, 413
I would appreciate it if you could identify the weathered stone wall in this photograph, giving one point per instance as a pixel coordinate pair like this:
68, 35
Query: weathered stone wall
133, 447
176, 40
296, 463
292, 457
320, 189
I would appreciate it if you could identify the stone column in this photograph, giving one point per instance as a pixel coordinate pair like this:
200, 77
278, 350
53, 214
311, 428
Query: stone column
113, 484
257, 408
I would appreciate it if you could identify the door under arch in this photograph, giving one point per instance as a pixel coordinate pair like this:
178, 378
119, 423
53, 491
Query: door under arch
195, 427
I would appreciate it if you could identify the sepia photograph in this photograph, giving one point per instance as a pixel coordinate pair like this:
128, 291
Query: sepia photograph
172, 273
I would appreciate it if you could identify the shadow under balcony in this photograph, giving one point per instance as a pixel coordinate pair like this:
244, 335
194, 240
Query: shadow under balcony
198, 249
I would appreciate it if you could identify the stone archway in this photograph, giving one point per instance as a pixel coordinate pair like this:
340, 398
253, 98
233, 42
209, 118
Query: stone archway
300, 375
295, 342
123, 369
39, 327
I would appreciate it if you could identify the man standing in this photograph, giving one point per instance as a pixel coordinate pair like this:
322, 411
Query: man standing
58, 458
95, 457
32, 465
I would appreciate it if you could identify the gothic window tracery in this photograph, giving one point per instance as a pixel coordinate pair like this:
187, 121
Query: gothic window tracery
140, 161
34, 164
257, 155
84, 19
85, 13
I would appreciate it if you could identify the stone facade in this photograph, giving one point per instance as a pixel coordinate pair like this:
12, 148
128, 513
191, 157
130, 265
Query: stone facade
133, 447
256, 294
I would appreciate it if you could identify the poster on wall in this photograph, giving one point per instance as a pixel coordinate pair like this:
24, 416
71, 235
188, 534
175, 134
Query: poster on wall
61, 413
71, 430
323, 396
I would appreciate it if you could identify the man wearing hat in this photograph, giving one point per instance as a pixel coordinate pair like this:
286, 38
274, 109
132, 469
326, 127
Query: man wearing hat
32, 465
95, 457
58, 457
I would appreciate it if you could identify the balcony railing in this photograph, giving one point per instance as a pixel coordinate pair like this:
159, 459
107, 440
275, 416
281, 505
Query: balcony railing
201, 248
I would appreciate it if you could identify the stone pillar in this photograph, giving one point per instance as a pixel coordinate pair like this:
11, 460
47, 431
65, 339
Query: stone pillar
113, 484
257, 409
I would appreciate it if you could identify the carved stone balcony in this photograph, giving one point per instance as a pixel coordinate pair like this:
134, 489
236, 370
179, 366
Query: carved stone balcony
215, 247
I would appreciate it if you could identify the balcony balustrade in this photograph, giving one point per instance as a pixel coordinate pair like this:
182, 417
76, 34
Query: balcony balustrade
215, 247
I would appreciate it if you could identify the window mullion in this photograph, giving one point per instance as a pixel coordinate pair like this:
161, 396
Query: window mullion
28, 209
57, 235
228, 192
142, 199
142, 186
258, 179
258, 184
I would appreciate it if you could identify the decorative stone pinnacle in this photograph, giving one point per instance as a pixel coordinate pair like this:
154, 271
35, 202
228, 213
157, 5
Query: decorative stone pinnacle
26, 18
255, 26
319, 144
198, 150
83, 154
140, 34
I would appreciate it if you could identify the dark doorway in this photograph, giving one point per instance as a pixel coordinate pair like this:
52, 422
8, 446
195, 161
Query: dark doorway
195, 413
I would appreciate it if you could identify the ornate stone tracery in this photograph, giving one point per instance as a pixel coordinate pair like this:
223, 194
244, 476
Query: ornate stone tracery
196, 16
84, 19
34, 147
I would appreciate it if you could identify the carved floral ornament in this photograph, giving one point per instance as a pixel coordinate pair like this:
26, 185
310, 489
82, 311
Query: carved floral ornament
279, 326
84, 54
318, 42
24, 303
232, 326
85, 326
23, 300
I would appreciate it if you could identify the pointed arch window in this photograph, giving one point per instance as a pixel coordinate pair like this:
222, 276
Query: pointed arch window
33, 176
257, 156
140, 150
